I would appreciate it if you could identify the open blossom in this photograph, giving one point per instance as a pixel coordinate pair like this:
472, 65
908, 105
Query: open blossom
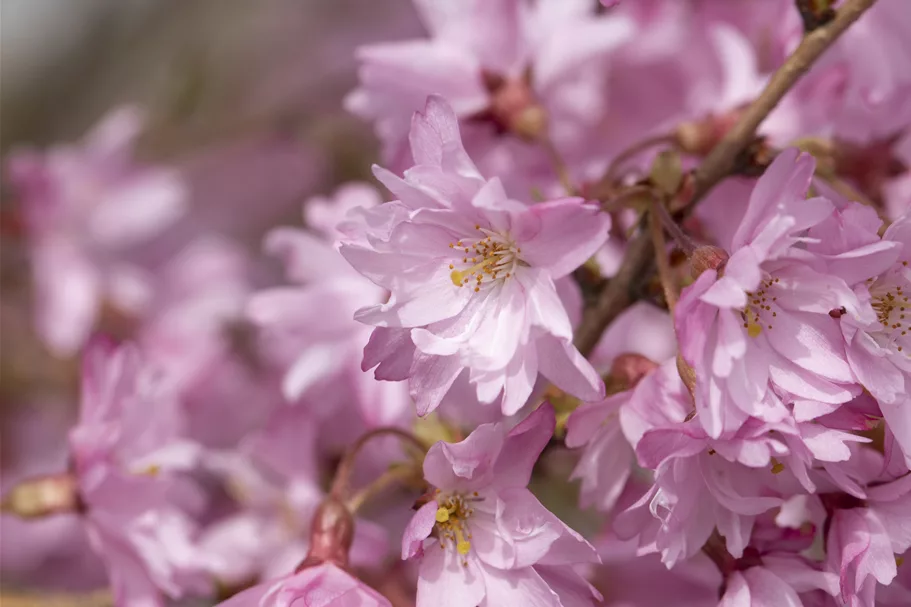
764, 316
483, 538
471, 275
125, 451
605, 464
878, 338
84, 208
773, 570
868, 529
310, 327
526, 68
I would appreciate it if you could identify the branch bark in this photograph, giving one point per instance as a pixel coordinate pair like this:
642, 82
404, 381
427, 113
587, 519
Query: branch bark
637, 264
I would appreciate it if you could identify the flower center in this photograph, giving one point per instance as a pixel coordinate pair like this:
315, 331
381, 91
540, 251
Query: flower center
452, 522
890, 300
758, 311
487, 258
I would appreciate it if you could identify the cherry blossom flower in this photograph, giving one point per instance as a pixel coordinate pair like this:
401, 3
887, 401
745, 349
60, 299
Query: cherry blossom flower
605, 463
879, 338
471, 275
763, 318
310, 328
125, 451
514, 66
482, 538
85, 207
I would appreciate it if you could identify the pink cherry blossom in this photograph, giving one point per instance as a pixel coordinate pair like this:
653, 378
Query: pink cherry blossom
878, 338
310, 328
764, 317
471, 275
125, 451
605, 462
85, 207
482, 536
326, 585
504, 65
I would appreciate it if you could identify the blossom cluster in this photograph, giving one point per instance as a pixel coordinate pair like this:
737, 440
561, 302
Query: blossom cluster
539, 359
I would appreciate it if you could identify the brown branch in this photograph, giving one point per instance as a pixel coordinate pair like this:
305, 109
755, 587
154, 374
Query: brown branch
637, 264
719, 163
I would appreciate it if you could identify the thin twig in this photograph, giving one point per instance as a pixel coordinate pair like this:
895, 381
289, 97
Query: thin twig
341, 483
634, 150
618, 294
394, 475
560, 167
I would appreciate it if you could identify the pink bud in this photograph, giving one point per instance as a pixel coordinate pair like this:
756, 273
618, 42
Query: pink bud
331, 534
628, 369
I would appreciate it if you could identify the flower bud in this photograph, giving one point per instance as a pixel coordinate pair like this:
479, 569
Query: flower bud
699, 137
43, 496
707, 258
331, 534
627, 369
514, 107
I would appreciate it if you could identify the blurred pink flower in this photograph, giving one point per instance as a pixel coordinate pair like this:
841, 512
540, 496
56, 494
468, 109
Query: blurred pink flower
471, 275
483, 535
273, 476
504, 65
325, 585
310, 328
125, 450
85, 208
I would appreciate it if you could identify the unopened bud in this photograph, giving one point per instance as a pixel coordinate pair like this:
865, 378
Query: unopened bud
531, 123
687, 374
707, 258
331, 534
514, 107
43, 496
628, 369
667, 172
699, 137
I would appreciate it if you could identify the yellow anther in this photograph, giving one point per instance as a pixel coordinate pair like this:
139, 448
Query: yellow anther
442, 514
777, 466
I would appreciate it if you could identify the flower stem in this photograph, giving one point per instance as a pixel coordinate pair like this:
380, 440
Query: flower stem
613, 170
560, 167
396, 474
342, 481
664, 268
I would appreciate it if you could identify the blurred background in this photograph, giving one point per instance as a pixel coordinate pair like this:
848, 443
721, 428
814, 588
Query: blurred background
242, 97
